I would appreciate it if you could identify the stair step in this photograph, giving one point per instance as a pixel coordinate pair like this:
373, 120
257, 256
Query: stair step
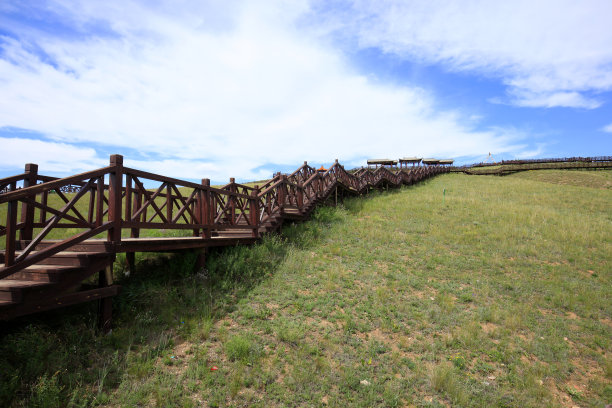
92, 245
12, 290
44, 273
67, 258
4, 303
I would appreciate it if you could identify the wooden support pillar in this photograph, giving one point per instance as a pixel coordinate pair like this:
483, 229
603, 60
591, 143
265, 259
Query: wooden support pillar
200, 263
131, 261
300, 196
27, 211
105, 305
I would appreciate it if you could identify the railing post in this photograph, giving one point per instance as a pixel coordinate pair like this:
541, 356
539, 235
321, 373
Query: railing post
281, 191
99, 201
205, 208
232, 201
27, 210
300, 196
130, 256
115, 187
136, 207
254, 211
11, 233
128, 198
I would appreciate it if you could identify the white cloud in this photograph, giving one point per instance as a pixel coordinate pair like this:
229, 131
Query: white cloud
548, 52
51, 157
608, 128
217, 100
553, 99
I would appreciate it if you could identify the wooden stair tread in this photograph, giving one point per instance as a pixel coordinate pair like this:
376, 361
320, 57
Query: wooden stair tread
14, 283
67, 254
159, 239
50, 267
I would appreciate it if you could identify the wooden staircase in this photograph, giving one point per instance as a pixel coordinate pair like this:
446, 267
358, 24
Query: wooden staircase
38, 273
56, 281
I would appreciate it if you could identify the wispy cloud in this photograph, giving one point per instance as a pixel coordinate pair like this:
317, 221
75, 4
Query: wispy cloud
50, 156
548, 53
607, 128
213, 91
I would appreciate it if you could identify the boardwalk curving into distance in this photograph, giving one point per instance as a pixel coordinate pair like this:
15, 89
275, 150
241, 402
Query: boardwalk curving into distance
512, 166
107, 211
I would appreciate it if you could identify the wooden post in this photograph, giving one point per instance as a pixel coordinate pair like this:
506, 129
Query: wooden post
27, 211
11, 233
91, 209
300, 196
232, 201
131, 260
135, 233
105, 305
130, 256
336, 201
206, 208
254, 211
200, 260
281, 191
115, 187
128, 198
43, 212
100, 201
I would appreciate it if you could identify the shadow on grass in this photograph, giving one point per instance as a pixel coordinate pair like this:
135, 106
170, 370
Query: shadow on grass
58, 358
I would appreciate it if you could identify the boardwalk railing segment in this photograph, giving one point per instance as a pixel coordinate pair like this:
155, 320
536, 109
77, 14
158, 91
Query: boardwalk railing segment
60, 231
512, 166
549, 160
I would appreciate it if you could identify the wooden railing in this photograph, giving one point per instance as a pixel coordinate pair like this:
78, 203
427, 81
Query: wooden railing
593, 159
115, 200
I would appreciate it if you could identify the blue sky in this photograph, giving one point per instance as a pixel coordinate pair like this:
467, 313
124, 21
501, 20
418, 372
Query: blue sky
196, 89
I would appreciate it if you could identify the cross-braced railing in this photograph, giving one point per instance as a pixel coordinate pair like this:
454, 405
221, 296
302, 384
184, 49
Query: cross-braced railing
119, 202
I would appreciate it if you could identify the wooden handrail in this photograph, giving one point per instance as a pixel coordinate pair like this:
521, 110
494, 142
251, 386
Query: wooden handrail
125, 203
52, 185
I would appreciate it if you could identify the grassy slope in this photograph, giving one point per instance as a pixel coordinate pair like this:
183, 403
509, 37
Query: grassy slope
500, 296
581, 178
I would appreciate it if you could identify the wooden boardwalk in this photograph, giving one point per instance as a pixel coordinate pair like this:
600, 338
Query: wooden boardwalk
513, 166
109, 210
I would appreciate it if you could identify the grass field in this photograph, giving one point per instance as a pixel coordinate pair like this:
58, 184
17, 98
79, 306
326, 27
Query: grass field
496, 294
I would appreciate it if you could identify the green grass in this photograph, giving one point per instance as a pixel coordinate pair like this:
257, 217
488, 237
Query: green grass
580, 178
500, 296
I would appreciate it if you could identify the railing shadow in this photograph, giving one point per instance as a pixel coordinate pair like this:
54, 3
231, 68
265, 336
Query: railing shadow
164, 302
